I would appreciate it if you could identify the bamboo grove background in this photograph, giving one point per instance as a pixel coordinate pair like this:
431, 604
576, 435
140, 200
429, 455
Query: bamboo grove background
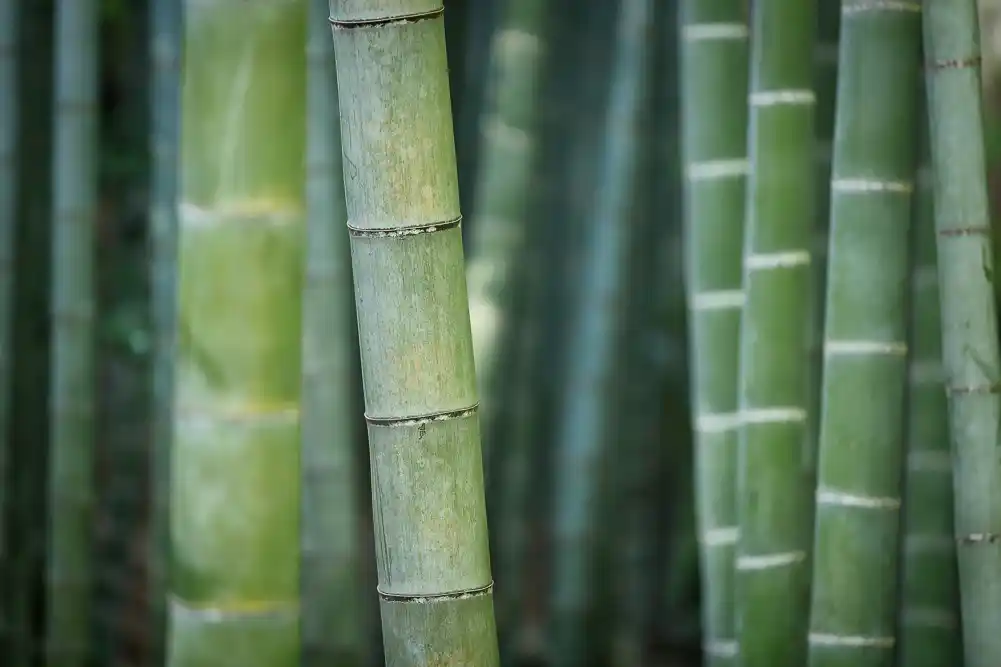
571, 180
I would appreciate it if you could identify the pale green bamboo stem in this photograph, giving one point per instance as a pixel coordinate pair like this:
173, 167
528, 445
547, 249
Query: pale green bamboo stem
929, 605
9, 45
165, 113
587, 417
853, 614
773, 488
413, 322
714, 51
73, 308
333, 630
235, 463
969, 321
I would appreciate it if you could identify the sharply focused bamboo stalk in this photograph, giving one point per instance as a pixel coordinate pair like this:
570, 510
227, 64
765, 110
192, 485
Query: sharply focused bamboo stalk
416, 346
165, 113
929, 601
234, 510
969, 320
332, 627
854, 609
586, 421
9, 46
773, 487
72, 403
714, 97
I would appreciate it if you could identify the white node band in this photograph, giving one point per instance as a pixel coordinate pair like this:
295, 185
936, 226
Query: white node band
710, 170
777, 260
718, 300
841, 499
862, 347
720, 422
771, 98
870, 186
770, 561
773, 416
853, 641
713, 31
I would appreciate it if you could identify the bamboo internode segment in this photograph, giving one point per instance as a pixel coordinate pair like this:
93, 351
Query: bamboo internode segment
419, 381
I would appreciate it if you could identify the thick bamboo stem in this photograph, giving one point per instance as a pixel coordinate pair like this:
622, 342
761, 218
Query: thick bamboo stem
853, 614
969, 319
714, 51
413, 321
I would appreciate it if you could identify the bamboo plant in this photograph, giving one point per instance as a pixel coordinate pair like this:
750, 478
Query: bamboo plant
332, 628
969, 324
774, 508
419, 380
929, 601
497, 238
234, 512
165, 48
586, 419
714, 51
854, 608
73, 305
9, 24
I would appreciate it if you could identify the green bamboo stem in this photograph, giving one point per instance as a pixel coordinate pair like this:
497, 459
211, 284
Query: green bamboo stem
497, 238
969, 324
9, 45
235, 503
73, 305
165, 47
586, 419
333, 632
714, 50
853, 614
929, 605
773, 489
416, 345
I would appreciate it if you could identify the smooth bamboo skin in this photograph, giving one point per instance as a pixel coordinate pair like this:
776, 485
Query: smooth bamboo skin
969, 323
333, 630
9, 27
71, 492
854, 607
774, 490
165, 113
714, 94
929, 603
402, 197
234, 513
588, 415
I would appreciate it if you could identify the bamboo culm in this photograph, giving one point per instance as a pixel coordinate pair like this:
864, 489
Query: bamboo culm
71, 482
774, 499
234, 513
401, 191
586, 421
165, 112
333, 630
854, 608
929, 601
714, 50
972, 366
9, 46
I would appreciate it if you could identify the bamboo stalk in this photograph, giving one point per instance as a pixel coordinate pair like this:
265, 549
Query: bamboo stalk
9, 46
587, 417
235, 462
333, 632
165, 47
73, 309
714, 51
773, 487
929, 605
969, 323
853, 615
416, 346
